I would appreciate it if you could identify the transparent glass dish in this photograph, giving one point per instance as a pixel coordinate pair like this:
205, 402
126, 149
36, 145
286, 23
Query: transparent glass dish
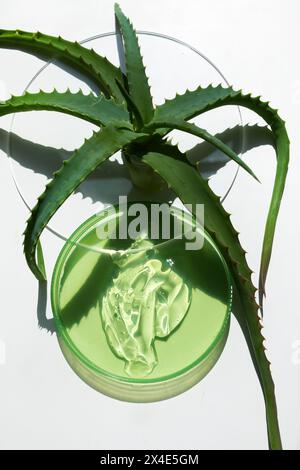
178, 67
84, 272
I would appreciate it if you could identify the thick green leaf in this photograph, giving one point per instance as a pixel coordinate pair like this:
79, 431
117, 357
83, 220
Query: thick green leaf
203, 134
191, 188
40, 259
84, 161
193, 103
133, 110
240, 138
245, 310
96, 109
137, 81
80, 60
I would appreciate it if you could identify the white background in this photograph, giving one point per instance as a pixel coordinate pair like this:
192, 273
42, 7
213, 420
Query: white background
42, 402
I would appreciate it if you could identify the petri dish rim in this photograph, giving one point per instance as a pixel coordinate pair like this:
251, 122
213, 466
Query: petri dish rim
61, 331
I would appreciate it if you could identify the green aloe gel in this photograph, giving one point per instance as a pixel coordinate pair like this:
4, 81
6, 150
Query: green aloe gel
146, 300
143, 319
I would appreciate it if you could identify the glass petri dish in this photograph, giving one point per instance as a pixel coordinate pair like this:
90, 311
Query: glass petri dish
178, 67
84, 276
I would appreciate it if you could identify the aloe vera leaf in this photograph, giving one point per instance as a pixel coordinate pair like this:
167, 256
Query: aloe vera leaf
137, 80
78, 59
193, 103
40, 259
134, 112
245, 310
203, 134
84, 161
210, 162
191, 188
95, 109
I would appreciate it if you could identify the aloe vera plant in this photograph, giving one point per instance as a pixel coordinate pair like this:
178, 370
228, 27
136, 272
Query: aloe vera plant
123, 109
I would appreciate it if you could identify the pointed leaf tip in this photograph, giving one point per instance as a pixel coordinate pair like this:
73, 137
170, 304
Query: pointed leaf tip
136, 81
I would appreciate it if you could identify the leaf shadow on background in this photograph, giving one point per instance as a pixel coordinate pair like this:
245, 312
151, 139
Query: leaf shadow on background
45, 160
88, 295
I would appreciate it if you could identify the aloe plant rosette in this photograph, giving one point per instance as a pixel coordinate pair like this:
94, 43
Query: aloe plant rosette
128, 121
